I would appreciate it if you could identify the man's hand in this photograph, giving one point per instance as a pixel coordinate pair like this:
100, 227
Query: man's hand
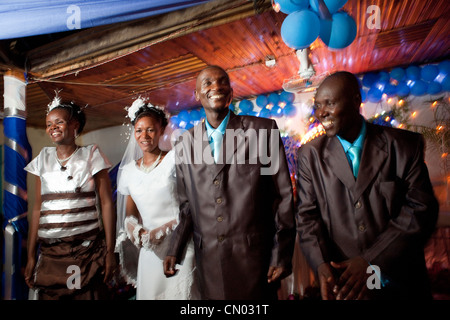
169, 266
276, 273
326, 280
352, 282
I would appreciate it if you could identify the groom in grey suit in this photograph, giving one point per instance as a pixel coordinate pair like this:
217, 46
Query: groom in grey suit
363, 219
236, 199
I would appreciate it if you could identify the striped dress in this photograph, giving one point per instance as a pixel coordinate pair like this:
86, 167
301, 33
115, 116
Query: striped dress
70, 232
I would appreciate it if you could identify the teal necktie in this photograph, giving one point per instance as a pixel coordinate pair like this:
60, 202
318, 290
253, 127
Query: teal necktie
217, 137
355, 155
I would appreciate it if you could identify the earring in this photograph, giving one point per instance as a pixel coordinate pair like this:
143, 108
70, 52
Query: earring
75, 133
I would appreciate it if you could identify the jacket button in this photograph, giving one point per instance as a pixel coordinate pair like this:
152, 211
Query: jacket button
358, 205
219, 200
220, 238
362, 227
220, 218
216, 182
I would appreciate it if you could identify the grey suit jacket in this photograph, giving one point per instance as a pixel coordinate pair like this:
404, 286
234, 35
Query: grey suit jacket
241, 218
385, 216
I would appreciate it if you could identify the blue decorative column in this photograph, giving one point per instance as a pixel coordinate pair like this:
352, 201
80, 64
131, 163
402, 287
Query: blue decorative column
17, 154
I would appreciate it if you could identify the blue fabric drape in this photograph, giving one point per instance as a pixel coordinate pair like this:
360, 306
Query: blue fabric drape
23, 18
15, 206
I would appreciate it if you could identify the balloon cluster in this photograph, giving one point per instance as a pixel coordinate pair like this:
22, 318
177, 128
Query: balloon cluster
412, 80
186, 119
304, 24
272, 105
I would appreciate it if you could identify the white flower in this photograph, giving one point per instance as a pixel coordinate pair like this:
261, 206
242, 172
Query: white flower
139, 102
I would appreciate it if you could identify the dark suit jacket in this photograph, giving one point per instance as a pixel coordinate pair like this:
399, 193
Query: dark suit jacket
385, 216
242, 221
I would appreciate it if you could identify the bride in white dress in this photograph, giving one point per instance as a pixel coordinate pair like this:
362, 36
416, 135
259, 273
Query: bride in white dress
147, 180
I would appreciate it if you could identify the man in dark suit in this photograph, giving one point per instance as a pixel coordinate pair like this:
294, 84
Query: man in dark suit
363, 230
235, 198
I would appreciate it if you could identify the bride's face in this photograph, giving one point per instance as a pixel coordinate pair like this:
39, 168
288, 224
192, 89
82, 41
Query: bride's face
147, 132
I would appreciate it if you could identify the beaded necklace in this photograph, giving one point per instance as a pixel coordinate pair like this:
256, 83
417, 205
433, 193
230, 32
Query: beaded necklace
152, 166
61, 161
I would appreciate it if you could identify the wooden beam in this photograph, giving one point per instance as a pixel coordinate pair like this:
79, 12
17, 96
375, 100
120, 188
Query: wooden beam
98, 45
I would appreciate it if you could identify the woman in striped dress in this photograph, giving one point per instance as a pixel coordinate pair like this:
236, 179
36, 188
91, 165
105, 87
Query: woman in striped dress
72, 229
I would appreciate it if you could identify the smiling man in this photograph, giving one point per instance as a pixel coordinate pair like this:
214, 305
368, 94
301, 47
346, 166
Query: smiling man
242, 220
365, 201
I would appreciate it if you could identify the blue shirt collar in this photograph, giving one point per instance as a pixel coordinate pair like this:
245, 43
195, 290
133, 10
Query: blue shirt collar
221, 127
359, 142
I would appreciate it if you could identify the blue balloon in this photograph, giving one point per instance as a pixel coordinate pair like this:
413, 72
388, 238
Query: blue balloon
384, 77
419, 87
374, 94
264, 113
429, 72
175, 120
444, 67
434, 87
363, 95
398, 74
182, 124
184, 116
276, 112
379, 85
273, 98
261, 101
339, 32
289, 110
289, 6
300, 28
413, 73
246, 106
195, 115
287, 97
446, 84
390, 90
402, 89
370, 78
332, 5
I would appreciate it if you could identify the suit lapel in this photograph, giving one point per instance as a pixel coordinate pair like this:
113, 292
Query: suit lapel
373, 156
335, 158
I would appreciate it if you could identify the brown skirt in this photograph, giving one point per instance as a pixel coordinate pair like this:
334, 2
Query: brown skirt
71, 270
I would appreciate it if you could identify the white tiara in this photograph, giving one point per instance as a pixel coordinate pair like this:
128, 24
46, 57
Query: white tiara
55, 102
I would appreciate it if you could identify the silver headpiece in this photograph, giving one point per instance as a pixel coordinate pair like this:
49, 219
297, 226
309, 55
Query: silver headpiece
55, 102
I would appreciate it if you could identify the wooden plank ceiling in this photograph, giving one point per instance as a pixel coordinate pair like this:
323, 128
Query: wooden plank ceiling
240, 37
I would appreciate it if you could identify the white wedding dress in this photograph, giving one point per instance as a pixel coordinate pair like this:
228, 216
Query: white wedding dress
155, 195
